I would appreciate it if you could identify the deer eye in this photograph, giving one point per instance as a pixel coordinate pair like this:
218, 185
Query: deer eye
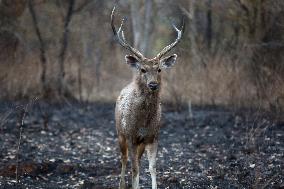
143, 70
159, 70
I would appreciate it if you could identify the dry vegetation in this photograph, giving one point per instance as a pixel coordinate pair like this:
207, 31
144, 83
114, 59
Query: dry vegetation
231, 54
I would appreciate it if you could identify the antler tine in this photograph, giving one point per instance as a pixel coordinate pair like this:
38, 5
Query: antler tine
119, 36
172, 45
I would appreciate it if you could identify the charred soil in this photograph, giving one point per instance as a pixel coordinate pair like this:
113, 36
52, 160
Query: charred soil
75, 146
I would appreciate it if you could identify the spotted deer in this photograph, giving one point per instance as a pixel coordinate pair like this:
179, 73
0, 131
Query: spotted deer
138, 110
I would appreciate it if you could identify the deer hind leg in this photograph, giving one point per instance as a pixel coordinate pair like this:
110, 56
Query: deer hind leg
124, 155
151, 154
133, 149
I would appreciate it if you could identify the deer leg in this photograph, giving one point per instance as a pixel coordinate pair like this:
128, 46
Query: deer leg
151, 154
135, 165
141, 149
124, 151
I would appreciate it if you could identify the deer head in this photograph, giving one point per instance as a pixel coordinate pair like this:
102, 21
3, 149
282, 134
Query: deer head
148, 71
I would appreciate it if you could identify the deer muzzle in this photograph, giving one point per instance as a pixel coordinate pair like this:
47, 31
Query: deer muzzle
153, 86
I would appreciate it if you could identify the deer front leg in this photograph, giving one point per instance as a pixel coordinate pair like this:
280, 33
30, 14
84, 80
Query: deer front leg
133, 148
151, 154
123, 149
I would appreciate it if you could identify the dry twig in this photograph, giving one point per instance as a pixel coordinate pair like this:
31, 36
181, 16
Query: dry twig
23, 115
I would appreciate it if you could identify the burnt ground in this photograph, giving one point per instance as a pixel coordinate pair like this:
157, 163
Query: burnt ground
75, 146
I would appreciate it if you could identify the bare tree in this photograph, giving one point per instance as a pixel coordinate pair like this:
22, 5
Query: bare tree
64, 45
142, 24
145, 45
192, 32
42, 47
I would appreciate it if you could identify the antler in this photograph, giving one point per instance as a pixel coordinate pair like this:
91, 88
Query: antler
169, 47
119, 36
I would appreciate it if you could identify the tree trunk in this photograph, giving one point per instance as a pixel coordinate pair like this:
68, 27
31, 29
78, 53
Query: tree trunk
142, 25
136, 23
98, 62
64, 44
79, 72
42, 48
193, 32
209, 24
145, 43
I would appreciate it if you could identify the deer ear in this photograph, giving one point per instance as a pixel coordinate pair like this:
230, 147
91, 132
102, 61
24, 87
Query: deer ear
168, 61
132, 61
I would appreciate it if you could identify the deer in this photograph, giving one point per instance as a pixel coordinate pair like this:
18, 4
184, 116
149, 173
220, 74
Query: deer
138, 107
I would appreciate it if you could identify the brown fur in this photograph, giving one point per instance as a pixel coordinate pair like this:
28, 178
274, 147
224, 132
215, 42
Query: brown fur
138, 108
138, 114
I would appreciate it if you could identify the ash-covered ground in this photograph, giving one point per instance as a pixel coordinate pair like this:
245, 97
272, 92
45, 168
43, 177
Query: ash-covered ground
75, 146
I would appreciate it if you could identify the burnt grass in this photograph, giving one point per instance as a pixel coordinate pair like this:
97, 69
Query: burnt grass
74, 145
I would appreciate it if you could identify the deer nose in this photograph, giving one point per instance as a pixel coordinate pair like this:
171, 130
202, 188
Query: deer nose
153, 85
